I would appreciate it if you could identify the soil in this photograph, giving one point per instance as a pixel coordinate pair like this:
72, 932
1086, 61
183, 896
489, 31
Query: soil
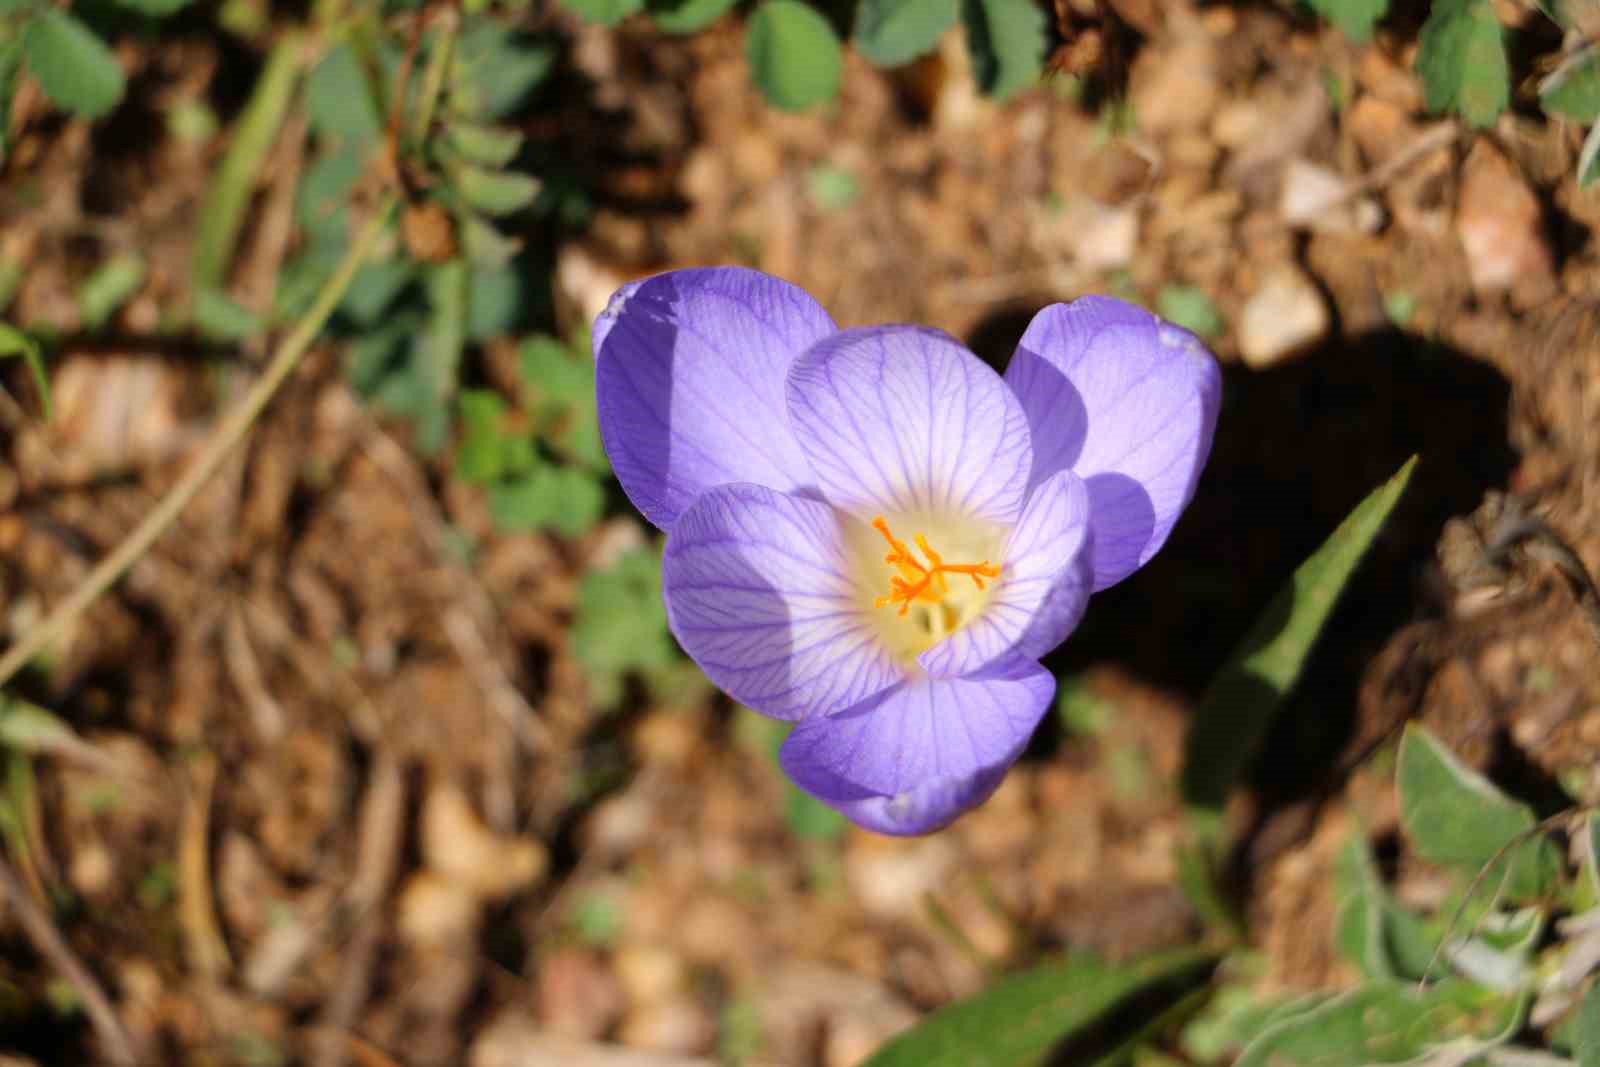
347, 798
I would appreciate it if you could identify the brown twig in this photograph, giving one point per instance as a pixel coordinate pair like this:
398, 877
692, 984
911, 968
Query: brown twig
47, 940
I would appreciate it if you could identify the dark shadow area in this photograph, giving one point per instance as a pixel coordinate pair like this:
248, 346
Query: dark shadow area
1297, 447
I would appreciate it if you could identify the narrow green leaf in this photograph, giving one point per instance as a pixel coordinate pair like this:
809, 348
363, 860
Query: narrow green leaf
1461, 59
1589, 158
1007, 39
75, 68
13, 342
222, 214
794, 55
687, 16
108, 288
1022, 1018
1586, 1034
1456, 818
1246, 693
891, 32
1573, 88
1354, 17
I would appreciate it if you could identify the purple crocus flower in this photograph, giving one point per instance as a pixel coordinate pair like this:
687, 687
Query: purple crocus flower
872, 534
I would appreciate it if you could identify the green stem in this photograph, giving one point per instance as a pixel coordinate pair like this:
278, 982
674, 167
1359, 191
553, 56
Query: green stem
227, 435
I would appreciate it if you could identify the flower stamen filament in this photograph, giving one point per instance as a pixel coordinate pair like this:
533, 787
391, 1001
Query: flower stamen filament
918, 581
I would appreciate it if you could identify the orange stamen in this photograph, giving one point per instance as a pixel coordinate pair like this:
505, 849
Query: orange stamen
919, 581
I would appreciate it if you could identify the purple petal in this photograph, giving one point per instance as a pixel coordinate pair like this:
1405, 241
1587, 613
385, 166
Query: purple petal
903, 419
1129, 403
689, 380
757, 593
1043, 588
910, 760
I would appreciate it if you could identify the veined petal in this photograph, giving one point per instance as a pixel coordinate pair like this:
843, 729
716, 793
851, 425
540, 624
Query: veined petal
1129, 403
758, 594
904, 420
689, 381
1043, 588
910, 760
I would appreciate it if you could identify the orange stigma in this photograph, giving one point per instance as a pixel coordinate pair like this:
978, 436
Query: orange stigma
917, 581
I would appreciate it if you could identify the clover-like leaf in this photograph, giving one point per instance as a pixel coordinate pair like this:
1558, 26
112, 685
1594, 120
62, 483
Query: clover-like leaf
1354, 17
687, 16
891, 32
794, 55
1462, 60
74, 67
1007, 39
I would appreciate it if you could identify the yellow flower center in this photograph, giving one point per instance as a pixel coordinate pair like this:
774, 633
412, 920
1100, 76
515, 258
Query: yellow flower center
918, 581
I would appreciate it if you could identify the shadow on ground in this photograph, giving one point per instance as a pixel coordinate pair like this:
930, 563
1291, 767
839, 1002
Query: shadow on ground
1297, 447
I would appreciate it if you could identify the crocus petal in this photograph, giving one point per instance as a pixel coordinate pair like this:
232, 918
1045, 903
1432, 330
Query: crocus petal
1129, 403
910, 760
903, 419
758, 595
1042, 590
689, 380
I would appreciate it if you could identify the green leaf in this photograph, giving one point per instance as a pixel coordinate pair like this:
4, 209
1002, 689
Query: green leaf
108, 288
1573, 88
1456, 818
487, 146
794, 55
1389, 1022
1354, 17
494, 192
481, 457
558, 387
1023, 1018
10, 70
564, 499
156, 8
810, 818
1589, 158
13, 342
374, 289
494, 302
340, 100
1007, 39
891, 32
74, 67
1462, 60
832, 188
494, 68
621, 623
1191, 308
220, 317
605, 12
687, 16
1246, 693
1586, 1036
